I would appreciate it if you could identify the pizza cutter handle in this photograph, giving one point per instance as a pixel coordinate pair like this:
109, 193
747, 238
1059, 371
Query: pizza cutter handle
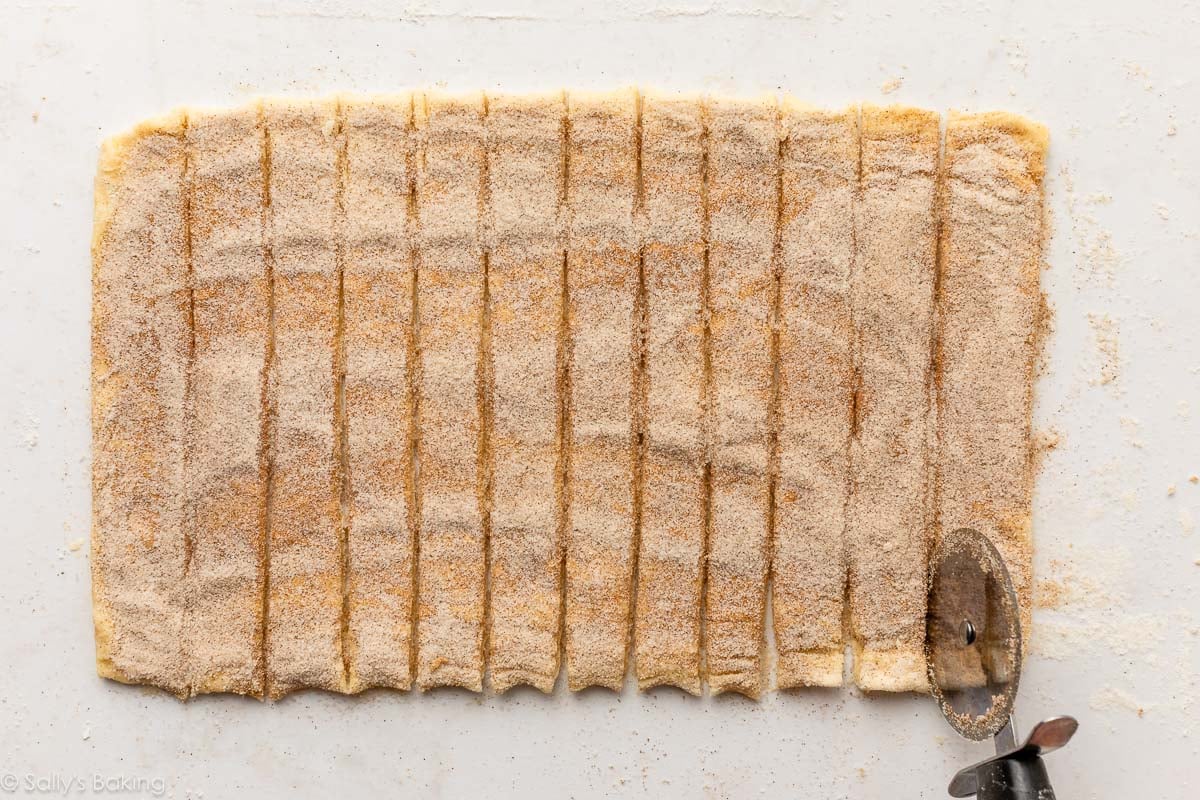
1016, 773
1014, 779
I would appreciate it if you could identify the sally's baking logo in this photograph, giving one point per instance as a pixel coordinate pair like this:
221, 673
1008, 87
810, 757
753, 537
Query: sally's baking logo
68, 785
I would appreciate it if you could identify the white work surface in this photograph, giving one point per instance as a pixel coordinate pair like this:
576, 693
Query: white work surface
1115, 639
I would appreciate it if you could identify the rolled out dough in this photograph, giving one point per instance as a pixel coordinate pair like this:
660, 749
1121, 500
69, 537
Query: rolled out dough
429, 390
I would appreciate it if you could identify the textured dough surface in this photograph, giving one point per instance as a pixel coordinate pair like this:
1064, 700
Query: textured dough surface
377, 299
889, 520
450, 294
526, 190
602, 289
990, 324
304, 587
231, 331
670, 561
816, 376
424, 390
743, 197
140, 354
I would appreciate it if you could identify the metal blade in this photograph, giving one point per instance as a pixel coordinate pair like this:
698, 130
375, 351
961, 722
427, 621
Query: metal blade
972, 635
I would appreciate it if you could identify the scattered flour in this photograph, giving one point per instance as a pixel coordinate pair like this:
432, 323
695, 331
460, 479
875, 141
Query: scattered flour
1110, 698
1096, 259
1104, 330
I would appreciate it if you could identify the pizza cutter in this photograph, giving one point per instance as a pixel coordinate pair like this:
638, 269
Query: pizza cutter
973, 655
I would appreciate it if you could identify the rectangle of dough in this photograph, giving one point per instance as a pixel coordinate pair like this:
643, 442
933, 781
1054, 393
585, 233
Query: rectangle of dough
990, 320
227, 464
602, 275
816, 376
670, 561
140, 347
450, 281
743, 196
525, 168
304, 610
387, 389
377, 296
888, 520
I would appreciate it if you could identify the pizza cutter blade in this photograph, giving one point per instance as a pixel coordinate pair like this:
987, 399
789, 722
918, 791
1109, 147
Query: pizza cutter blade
973, 655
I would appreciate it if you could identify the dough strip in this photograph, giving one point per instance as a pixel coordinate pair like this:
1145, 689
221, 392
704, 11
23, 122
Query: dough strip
602, 274
743, 195
670, 561
377, 312
140, 345
816, 375
888, 519
226, 468
450, 283
990, 319
304, 622
525, 141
